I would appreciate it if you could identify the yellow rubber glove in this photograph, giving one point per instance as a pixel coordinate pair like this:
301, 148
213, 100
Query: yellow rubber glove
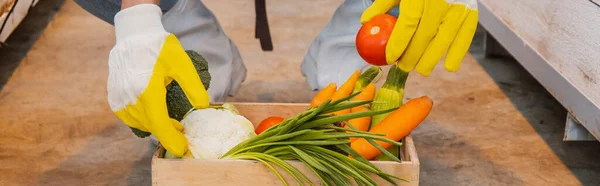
144, 60
426, 30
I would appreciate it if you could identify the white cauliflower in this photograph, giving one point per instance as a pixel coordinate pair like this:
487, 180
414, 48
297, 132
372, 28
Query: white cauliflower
212, 132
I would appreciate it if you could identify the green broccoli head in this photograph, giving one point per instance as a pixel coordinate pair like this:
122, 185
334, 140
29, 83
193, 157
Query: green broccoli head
177, 103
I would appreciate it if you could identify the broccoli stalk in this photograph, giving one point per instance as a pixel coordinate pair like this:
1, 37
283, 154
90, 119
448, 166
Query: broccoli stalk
177, 103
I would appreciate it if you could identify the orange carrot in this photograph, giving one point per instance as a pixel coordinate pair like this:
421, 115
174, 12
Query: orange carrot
395, 126
345, 90
323, 95
366, 94
363, 123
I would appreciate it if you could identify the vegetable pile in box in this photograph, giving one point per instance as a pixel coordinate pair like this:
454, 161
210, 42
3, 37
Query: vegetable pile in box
337, 137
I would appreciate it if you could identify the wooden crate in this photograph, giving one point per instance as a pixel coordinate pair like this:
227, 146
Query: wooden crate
245, 172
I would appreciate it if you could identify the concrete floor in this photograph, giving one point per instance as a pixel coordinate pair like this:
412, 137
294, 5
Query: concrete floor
492, 123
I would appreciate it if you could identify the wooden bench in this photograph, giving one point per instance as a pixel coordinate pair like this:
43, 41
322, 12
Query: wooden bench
558, 42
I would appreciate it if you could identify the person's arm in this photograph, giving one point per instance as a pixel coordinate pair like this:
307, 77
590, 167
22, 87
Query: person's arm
129, 3
144, 59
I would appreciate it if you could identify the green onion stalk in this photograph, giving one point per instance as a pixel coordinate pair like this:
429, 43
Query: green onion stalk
316, 138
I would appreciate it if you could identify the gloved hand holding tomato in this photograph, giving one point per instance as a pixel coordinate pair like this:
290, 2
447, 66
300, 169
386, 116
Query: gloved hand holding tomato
424, 32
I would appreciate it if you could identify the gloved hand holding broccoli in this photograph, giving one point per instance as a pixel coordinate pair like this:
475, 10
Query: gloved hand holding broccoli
177, 103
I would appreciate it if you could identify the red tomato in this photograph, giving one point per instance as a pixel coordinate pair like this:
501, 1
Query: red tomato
268, 123
373, 37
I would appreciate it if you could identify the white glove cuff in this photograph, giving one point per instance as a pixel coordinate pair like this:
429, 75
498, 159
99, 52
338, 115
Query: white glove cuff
137, 20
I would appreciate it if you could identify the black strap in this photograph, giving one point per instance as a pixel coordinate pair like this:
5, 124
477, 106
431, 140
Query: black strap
261, 30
